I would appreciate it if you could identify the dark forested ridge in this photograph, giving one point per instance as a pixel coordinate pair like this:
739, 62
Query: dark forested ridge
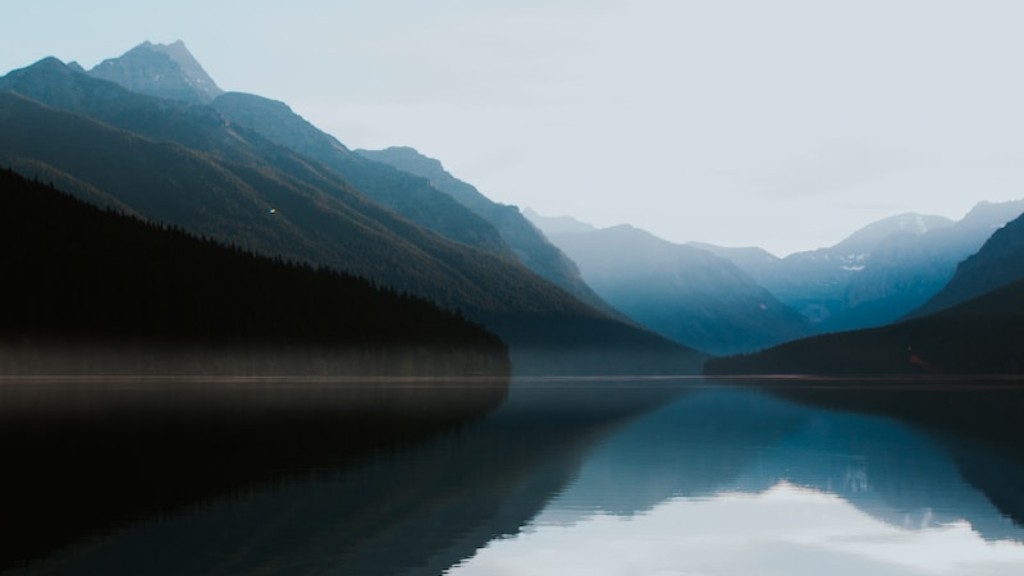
75, 274
998, 263
981, 336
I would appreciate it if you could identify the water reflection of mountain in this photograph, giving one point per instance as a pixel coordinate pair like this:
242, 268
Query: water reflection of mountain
731, 440
415, 510
567, 450
977, 422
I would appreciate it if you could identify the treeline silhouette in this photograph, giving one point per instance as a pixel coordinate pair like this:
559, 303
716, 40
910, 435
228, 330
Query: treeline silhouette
73, 272
980, 336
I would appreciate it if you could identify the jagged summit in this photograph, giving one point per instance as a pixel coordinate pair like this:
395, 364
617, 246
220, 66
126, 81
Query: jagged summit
164, 70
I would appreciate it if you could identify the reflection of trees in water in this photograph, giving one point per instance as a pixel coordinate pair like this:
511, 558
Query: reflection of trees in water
414, 509
83, 457
571, 450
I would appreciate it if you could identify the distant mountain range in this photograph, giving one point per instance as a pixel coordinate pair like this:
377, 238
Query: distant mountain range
685, 293
878, 274
975, 325
151, 135
980, 336
999, 262
246, 171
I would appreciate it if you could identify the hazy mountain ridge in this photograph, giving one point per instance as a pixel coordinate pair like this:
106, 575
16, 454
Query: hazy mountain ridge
231, 184
998, 263
410, 196
557, 224
751, 259
688, 294
973, 326
879, 273
528, 243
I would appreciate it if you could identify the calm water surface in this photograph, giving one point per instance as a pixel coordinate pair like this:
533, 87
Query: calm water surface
553, 477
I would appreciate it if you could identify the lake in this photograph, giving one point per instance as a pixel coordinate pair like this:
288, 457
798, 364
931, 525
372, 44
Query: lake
630, 476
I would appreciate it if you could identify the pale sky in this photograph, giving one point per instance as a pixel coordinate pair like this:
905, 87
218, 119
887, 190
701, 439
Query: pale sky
785, 124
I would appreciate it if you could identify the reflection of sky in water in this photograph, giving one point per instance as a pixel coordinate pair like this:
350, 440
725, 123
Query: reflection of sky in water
737, 482
784, 530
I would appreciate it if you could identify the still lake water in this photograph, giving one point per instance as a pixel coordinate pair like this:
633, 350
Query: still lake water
556, 476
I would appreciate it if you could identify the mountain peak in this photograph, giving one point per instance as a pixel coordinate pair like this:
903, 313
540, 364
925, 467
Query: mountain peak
44, 71
557, 224
48, 63
163, 70
871, 236
408, 154
991, 215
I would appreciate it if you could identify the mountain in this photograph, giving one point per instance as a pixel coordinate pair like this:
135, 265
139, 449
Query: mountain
275, 122
999, 262
156, 70
163, 70
557, 224
980, 336
685, 293
86, 277
757, 262
879, 273
188, 166
529, 244
817, 282
410, 196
